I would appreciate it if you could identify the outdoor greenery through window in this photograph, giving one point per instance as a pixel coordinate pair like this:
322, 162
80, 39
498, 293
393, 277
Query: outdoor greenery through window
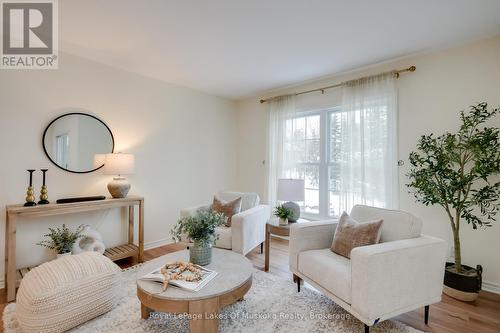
316, 150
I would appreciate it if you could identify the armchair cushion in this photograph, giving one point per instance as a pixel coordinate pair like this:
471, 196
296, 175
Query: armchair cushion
330, 270
248, 200
397, 224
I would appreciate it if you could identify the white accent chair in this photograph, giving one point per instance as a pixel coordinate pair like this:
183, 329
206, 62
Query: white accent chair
248, 228
402, 273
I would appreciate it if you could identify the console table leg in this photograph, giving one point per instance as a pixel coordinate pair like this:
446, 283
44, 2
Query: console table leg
131, 224
10, 257
141, 231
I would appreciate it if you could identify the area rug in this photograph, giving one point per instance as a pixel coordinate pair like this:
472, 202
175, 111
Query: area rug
271, 305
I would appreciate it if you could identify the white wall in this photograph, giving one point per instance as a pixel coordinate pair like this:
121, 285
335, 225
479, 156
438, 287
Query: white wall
182, 140
444, 83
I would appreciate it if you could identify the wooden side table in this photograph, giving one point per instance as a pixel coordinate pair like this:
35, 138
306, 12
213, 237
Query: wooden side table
274, 228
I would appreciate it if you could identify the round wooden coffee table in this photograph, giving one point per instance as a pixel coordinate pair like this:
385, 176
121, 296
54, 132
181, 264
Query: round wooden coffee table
232, 282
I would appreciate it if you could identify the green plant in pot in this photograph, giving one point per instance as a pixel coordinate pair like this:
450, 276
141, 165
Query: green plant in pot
61, 239
283, 213
201, 230
456, 171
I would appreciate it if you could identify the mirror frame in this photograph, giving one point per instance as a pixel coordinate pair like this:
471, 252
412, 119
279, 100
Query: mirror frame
69, 114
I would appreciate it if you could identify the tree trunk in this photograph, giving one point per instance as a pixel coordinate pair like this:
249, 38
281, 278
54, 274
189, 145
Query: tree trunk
458, 255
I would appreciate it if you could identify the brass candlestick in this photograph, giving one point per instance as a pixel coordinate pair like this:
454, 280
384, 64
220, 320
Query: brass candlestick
43, 191
30, 194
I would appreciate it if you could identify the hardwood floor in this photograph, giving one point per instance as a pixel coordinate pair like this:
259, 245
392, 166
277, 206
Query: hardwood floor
448, 316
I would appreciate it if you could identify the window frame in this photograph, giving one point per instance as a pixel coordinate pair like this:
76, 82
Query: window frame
324, 160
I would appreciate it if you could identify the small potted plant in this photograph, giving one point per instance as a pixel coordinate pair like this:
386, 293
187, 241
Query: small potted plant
283, 213
61, 239
459, 172
200, 229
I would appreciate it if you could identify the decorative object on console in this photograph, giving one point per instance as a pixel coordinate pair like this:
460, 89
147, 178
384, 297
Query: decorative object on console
30, 193
291, 190
464, 183
283, 213
119, 164
65, 141
90, 240
201, 230
61, 239
43, 191
80, 199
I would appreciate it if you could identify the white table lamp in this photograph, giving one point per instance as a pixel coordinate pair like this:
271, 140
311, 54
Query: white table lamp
291, 190
119, 164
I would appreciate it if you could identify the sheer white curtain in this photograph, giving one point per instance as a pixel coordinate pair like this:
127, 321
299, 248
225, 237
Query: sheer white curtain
280, 109
368, 145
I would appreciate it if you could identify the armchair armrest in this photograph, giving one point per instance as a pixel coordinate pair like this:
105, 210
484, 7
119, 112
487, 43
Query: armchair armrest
248, 228
394, 277
191, 211
309, 236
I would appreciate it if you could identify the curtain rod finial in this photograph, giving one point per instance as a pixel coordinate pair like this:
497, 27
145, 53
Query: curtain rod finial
412, 68
262, 101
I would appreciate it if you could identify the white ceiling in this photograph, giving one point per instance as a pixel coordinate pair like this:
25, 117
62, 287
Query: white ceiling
238, 48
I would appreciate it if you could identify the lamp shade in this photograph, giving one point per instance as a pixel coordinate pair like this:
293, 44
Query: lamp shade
291, 189
119, 164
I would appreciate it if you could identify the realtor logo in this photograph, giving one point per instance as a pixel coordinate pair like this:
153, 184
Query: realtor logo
29, 34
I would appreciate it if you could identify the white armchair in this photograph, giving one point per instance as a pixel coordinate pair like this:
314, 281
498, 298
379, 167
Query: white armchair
248, 228
403, 272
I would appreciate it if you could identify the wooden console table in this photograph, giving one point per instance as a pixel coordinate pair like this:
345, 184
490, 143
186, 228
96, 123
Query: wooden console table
14, 212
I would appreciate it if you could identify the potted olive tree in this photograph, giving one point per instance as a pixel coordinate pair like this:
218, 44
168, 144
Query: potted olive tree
457, 172
199, 229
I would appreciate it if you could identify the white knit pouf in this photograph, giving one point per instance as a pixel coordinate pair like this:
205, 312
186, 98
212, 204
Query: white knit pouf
64, 293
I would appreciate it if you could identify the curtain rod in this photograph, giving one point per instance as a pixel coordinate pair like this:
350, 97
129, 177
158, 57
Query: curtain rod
395, 72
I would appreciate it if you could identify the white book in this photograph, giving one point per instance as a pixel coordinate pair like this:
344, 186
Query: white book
206, 276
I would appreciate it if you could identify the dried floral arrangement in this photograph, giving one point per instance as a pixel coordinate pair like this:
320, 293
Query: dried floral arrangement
173, 271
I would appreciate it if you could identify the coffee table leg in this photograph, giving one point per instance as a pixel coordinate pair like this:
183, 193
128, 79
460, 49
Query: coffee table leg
145, 312
266, 257
205, 313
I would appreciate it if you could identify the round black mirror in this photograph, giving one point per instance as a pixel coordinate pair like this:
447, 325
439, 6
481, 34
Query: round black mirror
73, 140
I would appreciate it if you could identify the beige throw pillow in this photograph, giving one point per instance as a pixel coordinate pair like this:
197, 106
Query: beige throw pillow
228, 208
350, 234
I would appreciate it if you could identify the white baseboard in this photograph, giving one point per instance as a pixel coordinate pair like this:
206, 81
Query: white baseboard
491, 287
147, 246
158, 243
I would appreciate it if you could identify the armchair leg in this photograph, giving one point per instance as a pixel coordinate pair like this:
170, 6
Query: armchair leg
426, 315
297, 280
261, 247
367, 329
